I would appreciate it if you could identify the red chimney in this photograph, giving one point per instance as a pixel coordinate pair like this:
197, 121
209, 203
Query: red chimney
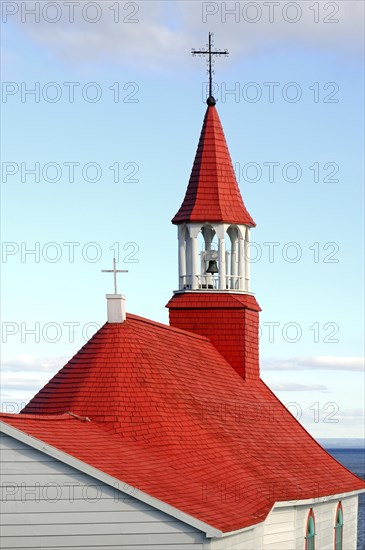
230, 321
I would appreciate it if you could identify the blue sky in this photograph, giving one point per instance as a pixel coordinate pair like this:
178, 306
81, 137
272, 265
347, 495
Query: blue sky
312, 320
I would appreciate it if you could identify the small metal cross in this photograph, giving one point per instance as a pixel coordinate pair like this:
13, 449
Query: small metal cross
114, 271
210, 53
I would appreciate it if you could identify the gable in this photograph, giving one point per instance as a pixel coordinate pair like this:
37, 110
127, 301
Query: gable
47, 503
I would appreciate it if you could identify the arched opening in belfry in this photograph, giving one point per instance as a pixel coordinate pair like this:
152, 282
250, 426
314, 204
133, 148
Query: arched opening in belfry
214, 256
208, 257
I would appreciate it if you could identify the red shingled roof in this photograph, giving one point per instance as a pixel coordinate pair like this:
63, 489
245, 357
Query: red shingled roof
213, 194
169, 416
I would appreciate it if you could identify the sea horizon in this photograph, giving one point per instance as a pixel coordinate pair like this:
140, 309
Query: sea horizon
353, 458
341, 442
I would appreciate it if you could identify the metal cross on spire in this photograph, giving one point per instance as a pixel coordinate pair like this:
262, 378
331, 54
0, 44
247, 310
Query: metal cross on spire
114, 271
210, 53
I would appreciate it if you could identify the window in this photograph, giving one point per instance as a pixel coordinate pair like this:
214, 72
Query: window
310, 535
339, 527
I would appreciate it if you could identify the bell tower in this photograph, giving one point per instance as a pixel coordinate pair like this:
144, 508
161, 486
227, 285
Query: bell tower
214, 255
213, 296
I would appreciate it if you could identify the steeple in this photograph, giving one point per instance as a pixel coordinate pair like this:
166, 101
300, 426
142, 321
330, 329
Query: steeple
213, 193
213, 297
213, 222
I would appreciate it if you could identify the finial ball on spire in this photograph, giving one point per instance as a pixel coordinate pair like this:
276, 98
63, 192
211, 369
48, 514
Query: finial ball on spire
211, 101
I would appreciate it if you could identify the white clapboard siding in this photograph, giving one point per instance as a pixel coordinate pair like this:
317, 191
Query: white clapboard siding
105, 504
275, 533
285, 528
48, 517
246, 540
88, 541
48, 504
278, 529
133, 547
325, 514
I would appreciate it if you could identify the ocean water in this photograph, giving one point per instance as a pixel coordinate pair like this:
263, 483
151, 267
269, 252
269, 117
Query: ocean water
354, 460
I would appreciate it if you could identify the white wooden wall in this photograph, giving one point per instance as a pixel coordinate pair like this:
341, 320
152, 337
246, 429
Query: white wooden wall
279, 529
84, 514
324, 514
251, 539
285, 528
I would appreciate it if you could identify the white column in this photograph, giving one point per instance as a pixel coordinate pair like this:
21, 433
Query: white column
207, 279
194, 263
234, 266
222, 263
241, 264
247, 261
188, 260
182, 260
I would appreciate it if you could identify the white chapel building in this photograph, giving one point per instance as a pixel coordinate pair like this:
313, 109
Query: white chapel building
161, 436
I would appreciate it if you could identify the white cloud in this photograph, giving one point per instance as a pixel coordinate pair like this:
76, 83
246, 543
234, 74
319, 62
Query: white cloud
23, 376
329, 413
26, 363
351, 414
323, 362
166, 32
292, 386
19, 384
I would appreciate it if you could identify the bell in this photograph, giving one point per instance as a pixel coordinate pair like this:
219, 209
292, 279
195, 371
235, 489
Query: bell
212, 267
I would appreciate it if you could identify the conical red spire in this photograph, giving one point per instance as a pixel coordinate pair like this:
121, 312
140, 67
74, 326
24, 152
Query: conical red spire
213, 194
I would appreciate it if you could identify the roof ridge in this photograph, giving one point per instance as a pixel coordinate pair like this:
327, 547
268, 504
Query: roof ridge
218, 166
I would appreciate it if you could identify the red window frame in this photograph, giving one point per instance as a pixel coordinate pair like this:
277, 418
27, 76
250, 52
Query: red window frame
339, 507
309, 518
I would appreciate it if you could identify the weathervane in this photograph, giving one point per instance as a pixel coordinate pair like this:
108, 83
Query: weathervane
114, 271
210, 53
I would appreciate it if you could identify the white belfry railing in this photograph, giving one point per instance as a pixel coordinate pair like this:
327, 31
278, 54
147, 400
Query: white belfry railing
211, 282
